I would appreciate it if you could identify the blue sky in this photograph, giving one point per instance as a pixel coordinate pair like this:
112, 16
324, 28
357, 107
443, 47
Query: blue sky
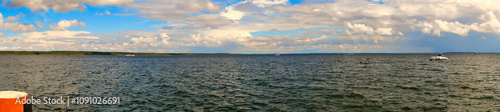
251, 26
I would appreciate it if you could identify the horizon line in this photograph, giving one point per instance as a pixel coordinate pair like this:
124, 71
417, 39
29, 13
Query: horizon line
125, 52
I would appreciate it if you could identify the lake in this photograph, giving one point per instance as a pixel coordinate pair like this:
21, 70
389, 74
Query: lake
388, 82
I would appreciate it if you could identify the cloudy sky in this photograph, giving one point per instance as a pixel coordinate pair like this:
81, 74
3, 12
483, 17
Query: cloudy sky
251, 26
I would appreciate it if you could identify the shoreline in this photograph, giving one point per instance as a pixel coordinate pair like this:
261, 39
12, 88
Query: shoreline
176, 54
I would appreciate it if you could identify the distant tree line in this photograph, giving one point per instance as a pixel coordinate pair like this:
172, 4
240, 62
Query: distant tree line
99, 53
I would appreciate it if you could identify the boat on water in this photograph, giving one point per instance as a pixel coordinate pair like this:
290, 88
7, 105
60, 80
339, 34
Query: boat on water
439, 57
276, 54
129, 54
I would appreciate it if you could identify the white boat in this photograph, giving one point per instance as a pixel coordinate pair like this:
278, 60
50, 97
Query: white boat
439, 57
129, 54
276, 54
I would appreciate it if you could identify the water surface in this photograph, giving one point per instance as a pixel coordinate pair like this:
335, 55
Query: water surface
389, 82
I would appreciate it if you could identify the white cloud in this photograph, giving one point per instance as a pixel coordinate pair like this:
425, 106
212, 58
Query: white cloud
63, 24
107, 12
368, 27
82, 40
210, 20
217, 37
438, 25
58, 35
490, 24
310, 40
64, 5
145, 40
12, 18
443, 16
333, 48
18, 27
230, 13
384, 31
266, 3
173, 10
362, 28
48, 40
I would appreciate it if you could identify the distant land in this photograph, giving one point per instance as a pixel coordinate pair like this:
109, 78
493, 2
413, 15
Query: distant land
174, 54
99, 53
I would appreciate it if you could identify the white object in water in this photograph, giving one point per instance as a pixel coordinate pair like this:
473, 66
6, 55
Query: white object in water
438, 58
276, 54
129, 54
12, 94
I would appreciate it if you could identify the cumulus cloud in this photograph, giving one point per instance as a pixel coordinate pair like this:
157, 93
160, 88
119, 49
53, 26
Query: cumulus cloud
362, 28
63, 24
231, 13
309, 41
173, 10
251, 9
12, 18
359, 25
16, 26
384, 31
63, 5
438, 25
49, 40
148, 40
217, 37
488, 23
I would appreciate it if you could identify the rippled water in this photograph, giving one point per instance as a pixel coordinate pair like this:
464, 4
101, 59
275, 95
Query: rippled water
390, 82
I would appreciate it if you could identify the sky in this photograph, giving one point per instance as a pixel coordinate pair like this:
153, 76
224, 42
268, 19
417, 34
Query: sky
251, 26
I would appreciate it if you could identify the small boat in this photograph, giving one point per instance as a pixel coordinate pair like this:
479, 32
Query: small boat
276, 54
439, 57
129, 54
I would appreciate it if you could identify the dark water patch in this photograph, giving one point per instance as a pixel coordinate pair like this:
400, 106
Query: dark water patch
408, 87
433, 108
355, 95
436, 69
406, 108
484, 72
486, 97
